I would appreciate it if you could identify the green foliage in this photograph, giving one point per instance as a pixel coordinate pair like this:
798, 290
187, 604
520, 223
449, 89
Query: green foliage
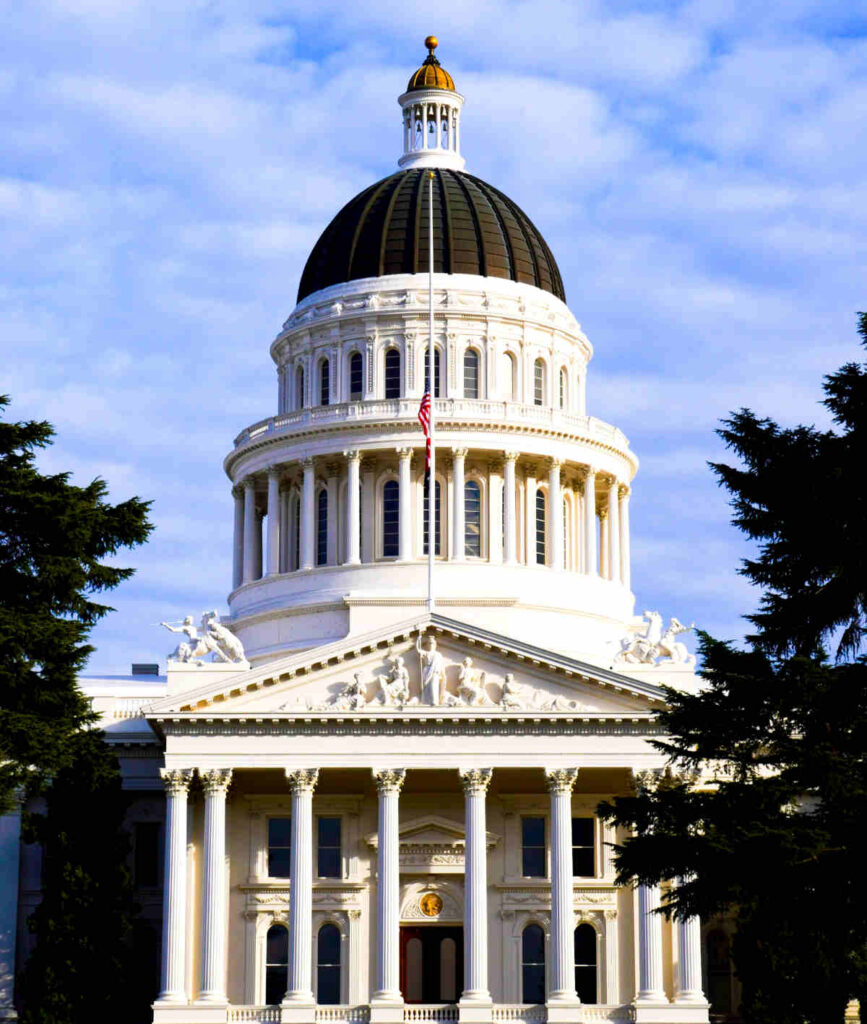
762, 810
54, 540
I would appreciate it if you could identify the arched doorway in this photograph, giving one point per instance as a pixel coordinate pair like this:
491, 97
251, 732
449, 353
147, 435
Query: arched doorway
431, 963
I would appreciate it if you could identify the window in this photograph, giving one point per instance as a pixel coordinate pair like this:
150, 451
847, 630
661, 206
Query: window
567, 546
437, 376
583, 847
533, 964
719, 972
539, 382
533, 848
276, 964
356, 376
299, 387
508, 377
564, 388
324, 382
296, 530
329, 865
146, 854
541, 516
438, 524
328, 965
279, 847
585, 963
391, 519
392, 373
472, 518
322, 528
471, 373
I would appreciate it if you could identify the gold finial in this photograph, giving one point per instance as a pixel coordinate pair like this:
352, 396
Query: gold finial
431, 43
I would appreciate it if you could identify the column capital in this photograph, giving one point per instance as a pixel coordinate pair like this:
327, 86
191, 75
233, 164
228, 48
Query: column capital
274, 471
302, 780
560, 780
215, 780
475, 780
511, 456
249, 483
624, 491
309, 462
555, 463
591, 470
404, 453
354, 455
459, 453
389, 781
176, 780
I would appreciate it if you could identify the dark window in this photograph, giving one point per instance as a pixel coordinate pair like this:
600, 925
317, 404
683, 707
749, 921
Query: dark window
719, 972
276, 964
328, 965
436, 390
391, 519
564, 391
533, 848
324, 382
472, 518
356, 375
329, 865
392, 373
539, 382
583, 847
296, 531
279, 846
541, 554
439, 520
533, 964
322, 528
299, 388
146, 854
471, 373
585, 963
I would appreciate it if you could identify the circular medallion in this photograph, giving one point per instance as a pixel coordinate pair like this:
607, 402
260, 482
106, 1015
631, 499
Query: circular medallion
431, 904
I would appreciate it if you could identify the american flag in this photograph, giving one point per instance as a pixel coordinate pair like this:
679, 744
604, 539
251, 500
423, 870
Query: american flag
424, 420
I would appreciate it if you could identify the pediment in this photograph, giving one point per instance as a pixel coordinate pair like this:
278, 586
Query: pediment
464, 672
428, 831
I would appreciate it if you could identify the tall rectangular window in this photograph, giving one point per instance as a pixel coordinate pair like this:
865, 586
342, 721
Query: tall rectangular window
438, 522
146, 854
391, 519
583, 847
533, 847
356, 376
279, 847
392, 373
328, 848
541, 528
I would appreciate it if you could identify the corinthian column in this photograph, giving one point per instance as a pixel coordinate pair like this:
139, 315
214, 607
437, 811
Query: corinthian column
238, 539
173, 987
590, 522
353, 508
614, 532
302, 783
650, 983
476, 991
215, 783
560, 782
555, 514
688, 982
251, 524
510, 522
388, 783
308, 515
459, 531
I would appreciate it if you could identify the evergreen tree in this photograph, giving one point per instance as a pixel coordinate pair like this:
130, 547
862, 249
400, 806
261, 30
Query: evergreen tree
761, 812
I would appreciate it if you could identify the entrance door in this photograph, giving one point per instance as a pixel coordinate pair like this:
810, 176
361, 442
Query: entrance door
431, 964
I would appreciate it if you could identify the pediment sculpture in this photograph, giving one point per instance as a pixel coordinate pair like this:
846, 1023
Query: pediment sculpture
211, 641
655, 645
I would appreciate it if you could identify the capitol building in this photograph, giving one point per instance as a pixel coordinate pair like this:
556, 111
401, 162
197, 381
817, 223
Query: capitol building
356, 800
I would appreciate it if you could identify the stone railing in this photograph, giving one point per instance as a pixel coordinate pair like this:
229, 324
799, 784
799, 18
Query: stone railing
522, 1013
130, 707
460, 410
437, 1013
254, 1014
342, 1014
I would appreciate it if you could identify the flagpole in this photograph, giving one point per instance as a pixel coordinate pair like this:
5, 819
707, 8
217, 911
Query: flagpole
431, 483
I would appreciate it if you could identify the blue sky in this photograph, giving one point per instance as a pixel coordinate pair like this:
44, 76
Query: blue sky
697, 168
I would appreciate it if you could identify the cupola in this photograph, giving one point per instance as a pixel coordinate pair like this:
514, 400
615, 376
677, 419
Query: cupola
431, 109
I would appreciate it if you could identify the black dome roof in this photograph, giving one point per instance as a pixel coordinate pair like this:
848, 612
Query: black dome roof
477, 230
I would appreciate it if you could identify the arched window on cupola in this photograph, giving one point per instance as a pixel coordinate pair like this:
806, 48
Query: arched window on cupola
328, 965
533, 964
356, 376
541, 527
324, 382
472, 519
322, 528
392, 373
276, 964
444, 128
564, 388
391, 519
299, 387
586, 963
471, 374
539, 382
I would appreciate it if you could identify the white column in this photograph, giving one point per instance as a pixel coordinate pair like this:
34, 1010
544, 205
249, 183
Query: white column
555, 515
590, 522
560, 782
650, 983
388, 783
614, 532
458, 528
251, 523
273, 556
173, 988
603, 544
404, 491
215, 782
302, 783
353, 508
476, 782
530, 515
308, 515
688, 980
625, 570
509, 517
368, 512
10, 854
238, 539
332, 470
495, 515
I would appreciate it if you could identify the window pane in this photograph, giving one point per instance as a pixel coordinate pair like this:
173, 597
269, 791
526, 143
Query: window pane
436, 391
392, 373
299, 388
583, 847
355, 375
277, 945
563, 391
533, 831
585, 963
539, 383
533, 964
391, 520
329, 865
276, 964
533, 862
276, 983
279, 847
541, 554
471, 374
324, 382
472, 518
328, 965
322, 528
439, 520
329, 832
533, 847
146, 853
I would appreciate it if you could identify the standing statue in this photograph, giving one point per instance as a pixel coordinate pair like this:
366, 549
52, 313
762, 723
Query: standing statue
433, 672
394, 684
671, 649
471, 685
